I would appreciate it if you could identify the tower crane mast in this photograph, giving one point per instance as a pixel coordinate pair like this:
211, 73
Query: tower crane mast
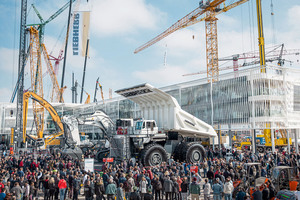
20, 84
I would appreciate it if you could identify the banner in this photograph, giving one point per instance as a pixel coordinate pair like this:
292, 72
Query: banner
89, 165
109, 160
80, 33
85, 31
194, 169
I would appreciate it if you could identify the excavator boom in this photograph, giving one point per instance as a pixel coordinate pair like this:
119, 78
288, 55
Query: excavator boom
49, 108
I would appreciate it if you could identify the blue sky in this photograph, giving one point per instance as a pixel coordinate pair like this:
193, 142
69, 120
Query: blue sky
118, 27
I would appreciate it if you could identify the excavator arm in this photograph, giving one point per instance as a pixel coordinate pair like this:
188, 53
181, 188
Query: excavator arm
49, 108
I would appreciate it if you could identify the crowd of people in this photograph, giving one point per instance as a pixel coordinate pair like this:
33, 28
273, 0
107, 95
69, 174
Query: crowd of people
53, 176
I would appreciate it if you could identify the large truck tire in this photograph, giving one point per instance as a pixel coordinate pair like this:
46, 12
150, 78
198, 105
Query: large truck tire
154, 154
180, 151
195, 153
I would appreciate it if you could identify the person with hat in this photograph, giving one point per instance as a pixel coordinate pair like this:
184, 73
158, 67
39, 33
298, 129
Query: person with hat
134, 195
149, 195
194, 189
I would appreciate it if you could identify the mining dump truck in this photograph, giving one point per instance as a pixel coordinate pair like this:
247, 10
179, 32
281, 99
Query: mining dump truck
164, 130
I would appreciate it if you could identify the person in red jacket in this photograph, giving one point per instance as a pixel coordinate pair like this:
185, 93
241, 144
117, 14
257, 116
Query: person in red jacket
1, 185
62, 185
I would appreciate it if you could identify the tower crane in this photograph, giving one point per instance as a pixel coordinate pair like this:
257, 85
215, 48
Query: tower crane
57, 60
211, 8
271, 56
42, 24
36, 79
21, 65
41, 30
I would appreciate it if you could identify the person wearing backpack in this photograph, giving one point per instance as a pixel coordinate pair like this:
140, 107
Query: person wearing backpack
99, 189
157, 186
194, 189
76, 187
175, 189
127, 187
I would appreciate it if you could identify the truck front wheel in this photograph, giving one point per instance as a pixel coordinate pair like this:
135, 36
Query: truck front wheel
154, 154
195, 153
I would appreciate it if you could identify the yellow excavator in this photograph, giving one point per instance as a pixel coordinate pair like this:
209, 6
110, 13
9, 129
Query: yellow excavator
41, 139
71, 149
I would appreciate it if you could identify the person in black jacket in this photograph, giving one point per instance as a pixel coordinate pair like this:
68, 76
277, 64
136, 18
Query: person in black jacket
265, 192
157, 186
184, 188
76, 187
51, 185
99, 189
175, 194
148, 196
272, 191
257, 194
46, 187
88, 193
134, 195
210, 175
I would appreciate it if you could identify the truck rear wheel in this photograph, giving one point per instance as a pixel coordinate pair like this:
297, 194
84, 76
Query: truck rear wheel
195, 153
260, 149
154, 154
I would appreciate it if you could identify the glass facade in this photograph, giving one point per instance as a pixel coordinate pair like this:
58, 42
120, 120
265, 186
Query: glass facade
248, 101
296, 98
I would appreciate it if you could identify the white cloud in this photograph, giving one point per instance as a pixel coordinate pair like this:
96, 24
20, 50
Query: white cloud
111, 17
9, 59
293, 16
163, 75
5, 94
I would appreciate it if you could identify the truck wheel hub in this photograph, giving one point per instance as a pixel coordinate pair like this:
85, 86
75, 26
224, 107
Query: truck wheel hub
196, 155
156, 159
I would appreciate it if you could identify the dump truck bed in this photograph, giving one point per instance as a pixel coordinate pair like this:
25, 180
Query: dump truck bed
165, 110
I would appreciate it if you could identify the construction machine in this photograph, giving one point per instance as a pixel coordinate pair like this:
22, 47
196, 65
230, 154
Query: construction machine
246, 143
163, 130
70, 147
251, 178
279, 142
282, 176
